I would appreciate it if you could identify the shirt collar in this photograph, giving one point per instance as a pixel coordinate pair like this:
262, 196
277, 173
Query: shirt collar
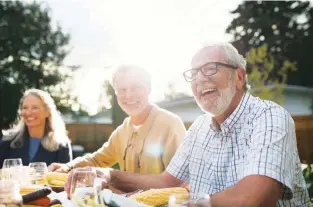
234, 117
148, 122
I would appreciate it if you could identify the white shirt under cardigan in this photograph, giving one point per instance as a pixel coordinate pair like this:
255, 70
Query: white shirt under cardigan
258, 138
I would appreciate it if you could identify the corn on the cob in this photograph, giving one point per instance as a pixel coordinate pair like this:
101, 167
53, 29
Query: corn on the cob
57, 182
57, 176
56, 179
57, 205
29, 189
157, 197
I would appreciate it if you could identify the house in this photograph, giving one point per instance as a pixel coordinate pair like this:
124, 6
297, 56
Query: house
298, 102
99, 118
93, 131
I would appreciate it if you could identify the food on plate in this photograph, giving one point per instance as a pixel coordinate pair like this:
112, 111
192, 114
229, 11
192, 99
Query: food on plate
86, 199
26, 189
44, 201
56, 179
41, 193
56, 205
158, 197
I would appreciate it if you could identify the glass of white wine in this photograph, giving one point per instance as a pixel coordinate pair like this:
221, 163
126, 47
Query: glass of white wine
12, 170
37, 172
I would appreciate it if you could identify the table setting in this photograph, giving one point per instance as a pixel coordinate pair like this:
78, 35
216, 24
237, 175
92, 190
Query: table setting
33, 185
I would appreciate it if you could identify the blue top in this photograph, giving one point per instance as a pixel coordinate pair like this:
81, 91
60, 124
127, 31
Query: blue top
33, 151
33, 146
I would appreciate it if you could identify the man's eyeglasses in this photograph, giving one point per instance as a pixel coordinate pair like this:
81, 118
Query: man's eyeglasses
207, 69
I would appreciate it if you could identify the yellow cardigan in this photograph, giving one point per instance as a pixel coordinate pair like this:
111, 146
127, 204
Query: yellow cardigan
148, 149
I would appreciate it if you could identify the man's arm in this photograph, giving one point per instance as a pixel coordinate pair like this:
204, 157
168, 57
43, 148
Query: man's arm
176, 134
251, 191
129, 182
268, 173
103, 157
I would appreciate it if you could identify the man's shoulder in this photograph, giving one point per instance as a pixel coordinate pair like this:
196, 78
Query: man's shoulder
202, 121
165, 115
260, 107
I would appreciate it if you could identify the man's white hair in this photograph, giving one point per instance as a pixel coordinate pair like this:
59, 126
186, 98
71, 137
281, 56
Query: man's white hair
136, 71
232, 56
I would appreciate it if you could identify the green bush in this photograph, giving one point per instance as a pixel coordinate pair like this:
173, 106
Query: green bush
308, 176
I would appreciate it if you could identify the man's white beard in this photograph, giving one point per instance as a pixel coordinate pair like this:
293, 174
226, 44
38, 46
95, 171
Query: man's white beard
222, 102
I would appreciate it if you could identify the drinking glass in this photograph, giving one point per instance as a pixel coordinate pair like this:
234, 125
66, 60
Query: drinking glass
12, 170
85, 188
37, 172
8, 163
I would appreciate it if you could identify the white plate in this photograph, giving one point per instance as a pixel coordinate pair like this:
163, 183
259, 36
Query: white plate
118, 199
122, 200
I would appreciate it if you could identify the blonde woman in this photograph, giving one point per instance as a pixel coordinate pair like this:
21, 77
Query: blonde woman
40, 135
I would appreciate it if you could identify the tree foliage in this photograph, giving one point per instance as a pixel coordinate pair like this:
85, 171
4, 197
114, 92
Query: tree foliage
172, 93
117, 114
286, 27
31, 53
261, 65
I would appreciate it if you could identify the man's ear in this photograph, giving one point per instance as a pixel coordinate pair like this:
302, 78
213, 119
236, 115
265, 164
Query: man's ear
240, 78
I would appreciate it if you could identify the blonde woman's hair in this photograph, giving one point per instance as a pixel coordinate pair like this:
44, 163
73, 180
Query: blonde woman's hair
55, 134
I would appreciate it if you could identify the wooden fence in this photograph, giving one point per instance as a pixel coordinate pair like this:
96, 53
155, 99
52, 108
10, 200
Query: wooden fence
92, 136
304, 132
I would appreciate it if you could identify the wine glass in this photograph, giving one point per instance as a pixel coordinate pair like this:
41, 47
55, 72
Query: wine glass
37, 172
16, 162
85, 187
183, 200
12, 169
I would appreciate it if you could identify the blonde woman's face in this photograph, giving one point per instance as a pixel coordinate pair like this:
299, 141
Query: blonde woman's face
34, 113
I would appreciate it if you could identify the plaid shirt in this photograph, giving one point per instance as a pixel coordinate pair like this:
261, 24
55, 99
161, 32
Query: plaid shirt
257, 138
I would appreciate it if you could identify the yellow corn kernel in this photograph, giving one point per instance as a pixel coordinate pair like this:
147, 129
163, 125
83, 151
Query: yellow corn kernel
56, 182
157, 197
56, 176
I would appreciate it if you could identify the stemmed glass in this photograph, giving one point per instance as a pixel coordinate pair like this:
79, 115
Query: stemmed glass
12, 169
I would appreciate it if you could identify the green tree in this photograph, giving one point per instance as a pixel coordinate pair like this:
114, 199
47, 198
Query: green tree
31, 53
118, 115
172, 93
261, 64
308, 176
286, 28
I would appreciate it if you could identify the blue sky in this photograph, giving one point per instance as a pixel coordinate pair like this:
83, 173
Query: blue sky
158, 35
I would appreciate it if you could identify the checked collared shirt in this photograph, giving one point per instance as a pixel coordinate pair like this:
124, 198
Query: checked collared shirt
257, 138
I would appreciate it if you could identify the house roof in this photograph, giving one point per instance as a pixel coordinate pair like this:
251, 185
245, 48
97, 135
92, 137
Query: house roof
105, 117
190, 99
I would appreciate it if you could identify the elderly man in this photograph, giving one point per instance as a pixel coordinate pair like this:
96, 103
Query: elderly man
146, 141
242, 151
